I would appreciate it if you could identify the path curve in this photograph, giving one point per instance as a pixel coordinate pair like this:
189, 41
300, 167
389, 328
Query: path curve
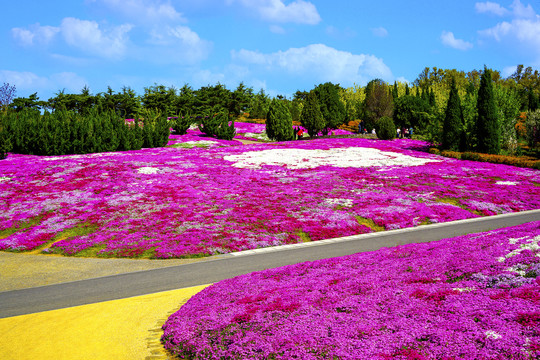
216, 268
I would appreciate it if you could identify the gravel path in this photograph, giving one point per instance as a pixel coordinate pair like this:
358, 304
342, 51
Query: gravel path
21, 271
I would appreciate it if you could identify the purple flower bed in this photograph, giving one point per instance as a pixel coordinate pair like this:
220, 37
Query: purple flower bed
176, 202
470, 297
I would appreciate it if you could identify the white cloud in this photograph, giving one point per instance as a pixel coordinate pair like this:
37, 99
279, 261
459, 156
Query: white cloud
89, 38
490, 7
298, 11
35, 34
143, 11
522, 11
319, 61
379, 32
448, 39
29, 82
178, 44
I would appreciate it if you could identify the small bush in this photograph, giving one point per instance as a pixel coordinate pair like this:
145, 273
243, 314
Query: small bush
386, 128
181, 124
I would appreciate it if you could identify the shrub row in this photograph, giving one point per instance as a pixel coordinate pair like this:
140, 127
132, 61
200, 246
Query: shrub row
66, 132
495, 159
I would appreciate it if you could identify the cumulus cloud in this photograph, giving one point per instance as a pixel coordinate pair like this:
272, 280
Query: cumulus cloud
176, 44
521, 32
89, 38
323, 62
490, 7
298, 11
35, 34
143, 11
449, 40
379, 32
86, 36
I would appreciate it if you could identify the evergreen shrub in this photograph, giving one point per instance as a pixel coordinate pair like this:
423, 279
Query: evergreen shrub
386, 128
279, 125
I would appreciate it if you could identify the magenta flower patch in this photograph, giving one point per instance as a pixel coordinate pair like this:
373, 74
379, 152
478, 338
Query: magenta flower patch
202, 196
469, 297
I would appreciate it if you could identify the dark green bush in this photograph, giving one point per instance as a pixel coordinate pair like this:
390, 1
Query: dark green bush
66, 132
279, 124
181, 124
386, 130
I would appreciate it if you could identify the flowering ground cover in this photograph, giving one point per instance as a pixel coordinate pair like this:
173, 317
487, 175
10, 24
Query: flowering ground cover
469, 297
201, 196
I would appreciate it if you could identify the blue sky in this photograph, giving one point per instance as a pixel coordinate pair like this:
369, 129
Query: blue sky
278, 45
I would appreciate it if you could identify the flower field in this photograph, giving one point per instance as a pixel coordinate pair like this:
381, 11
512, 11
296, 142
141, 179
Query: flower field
470, 297
201, 196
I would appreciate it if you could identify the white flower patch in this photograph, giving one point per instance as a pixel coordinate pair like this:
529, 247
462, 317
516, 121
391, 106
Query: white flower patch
339, 202
490, 334
506, 183
261, 136
465, 289
338, 157
4, 178
147, 170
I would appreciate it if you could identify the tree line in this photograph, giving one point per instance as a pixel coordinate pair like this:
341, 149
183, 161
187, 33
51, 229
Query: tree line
459, 110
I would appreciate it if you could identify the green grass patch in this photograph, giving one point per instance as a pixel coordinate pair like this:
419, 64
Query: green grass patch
21, 225
369, 223
187, 146
304, 236
77, 230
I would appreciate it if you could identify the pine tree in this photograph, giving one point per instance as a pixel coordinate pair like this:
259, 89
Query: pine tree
311, 117
488, 131
395, 93
453, 121
279, 125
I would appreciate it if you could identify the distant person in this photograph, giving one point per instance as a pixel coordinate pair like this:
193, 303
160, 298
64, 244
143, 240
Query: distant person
410, 131
398, 133
300, 134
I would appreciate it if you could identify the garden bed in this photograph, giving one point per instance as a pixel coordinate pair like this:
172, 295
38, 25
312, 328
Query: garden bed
469, 297
202, 196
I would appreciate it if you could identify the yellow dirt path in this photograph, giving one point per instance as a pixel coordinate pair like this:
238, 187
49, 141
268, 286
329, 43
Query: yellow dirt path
113, 330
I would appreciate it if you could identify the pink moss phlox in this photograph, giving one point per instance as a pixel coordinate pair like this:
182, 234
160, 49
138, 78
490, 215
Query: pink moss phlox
177, 202
420, 301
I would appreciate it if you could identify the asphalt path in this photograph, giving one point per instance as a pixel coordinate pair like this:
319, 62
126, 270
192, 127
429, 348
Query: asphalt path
216, 268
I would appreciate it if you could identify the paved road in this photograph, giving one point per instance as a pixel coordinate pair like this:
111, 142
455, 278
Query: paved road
38, 299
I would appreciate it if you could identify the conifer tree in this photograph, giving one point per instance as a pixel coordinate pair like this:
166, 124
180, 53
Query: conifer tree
395, 93
488, 131
279, 124
311, 117
453, 121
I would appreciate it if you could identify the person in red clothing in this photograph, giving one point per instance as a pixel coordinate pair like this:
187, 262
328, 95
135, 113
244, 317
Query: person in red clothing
300, 133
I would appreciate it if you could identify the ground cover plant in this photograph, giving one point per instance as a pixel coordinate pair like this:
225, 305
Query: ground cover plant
202, 196
469, 297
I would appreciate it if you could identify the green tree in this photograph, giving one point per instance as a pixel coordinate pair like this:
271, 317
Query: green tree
31, 102
279, 121
332, 109
488, 131
452, 136
386, 130
160, 98
378, 103
259, 104
410, 111
532, 125
311, 117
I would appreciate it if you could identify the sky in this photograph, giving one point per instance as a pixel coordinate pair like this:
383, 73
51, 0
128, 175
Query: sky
280, 46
